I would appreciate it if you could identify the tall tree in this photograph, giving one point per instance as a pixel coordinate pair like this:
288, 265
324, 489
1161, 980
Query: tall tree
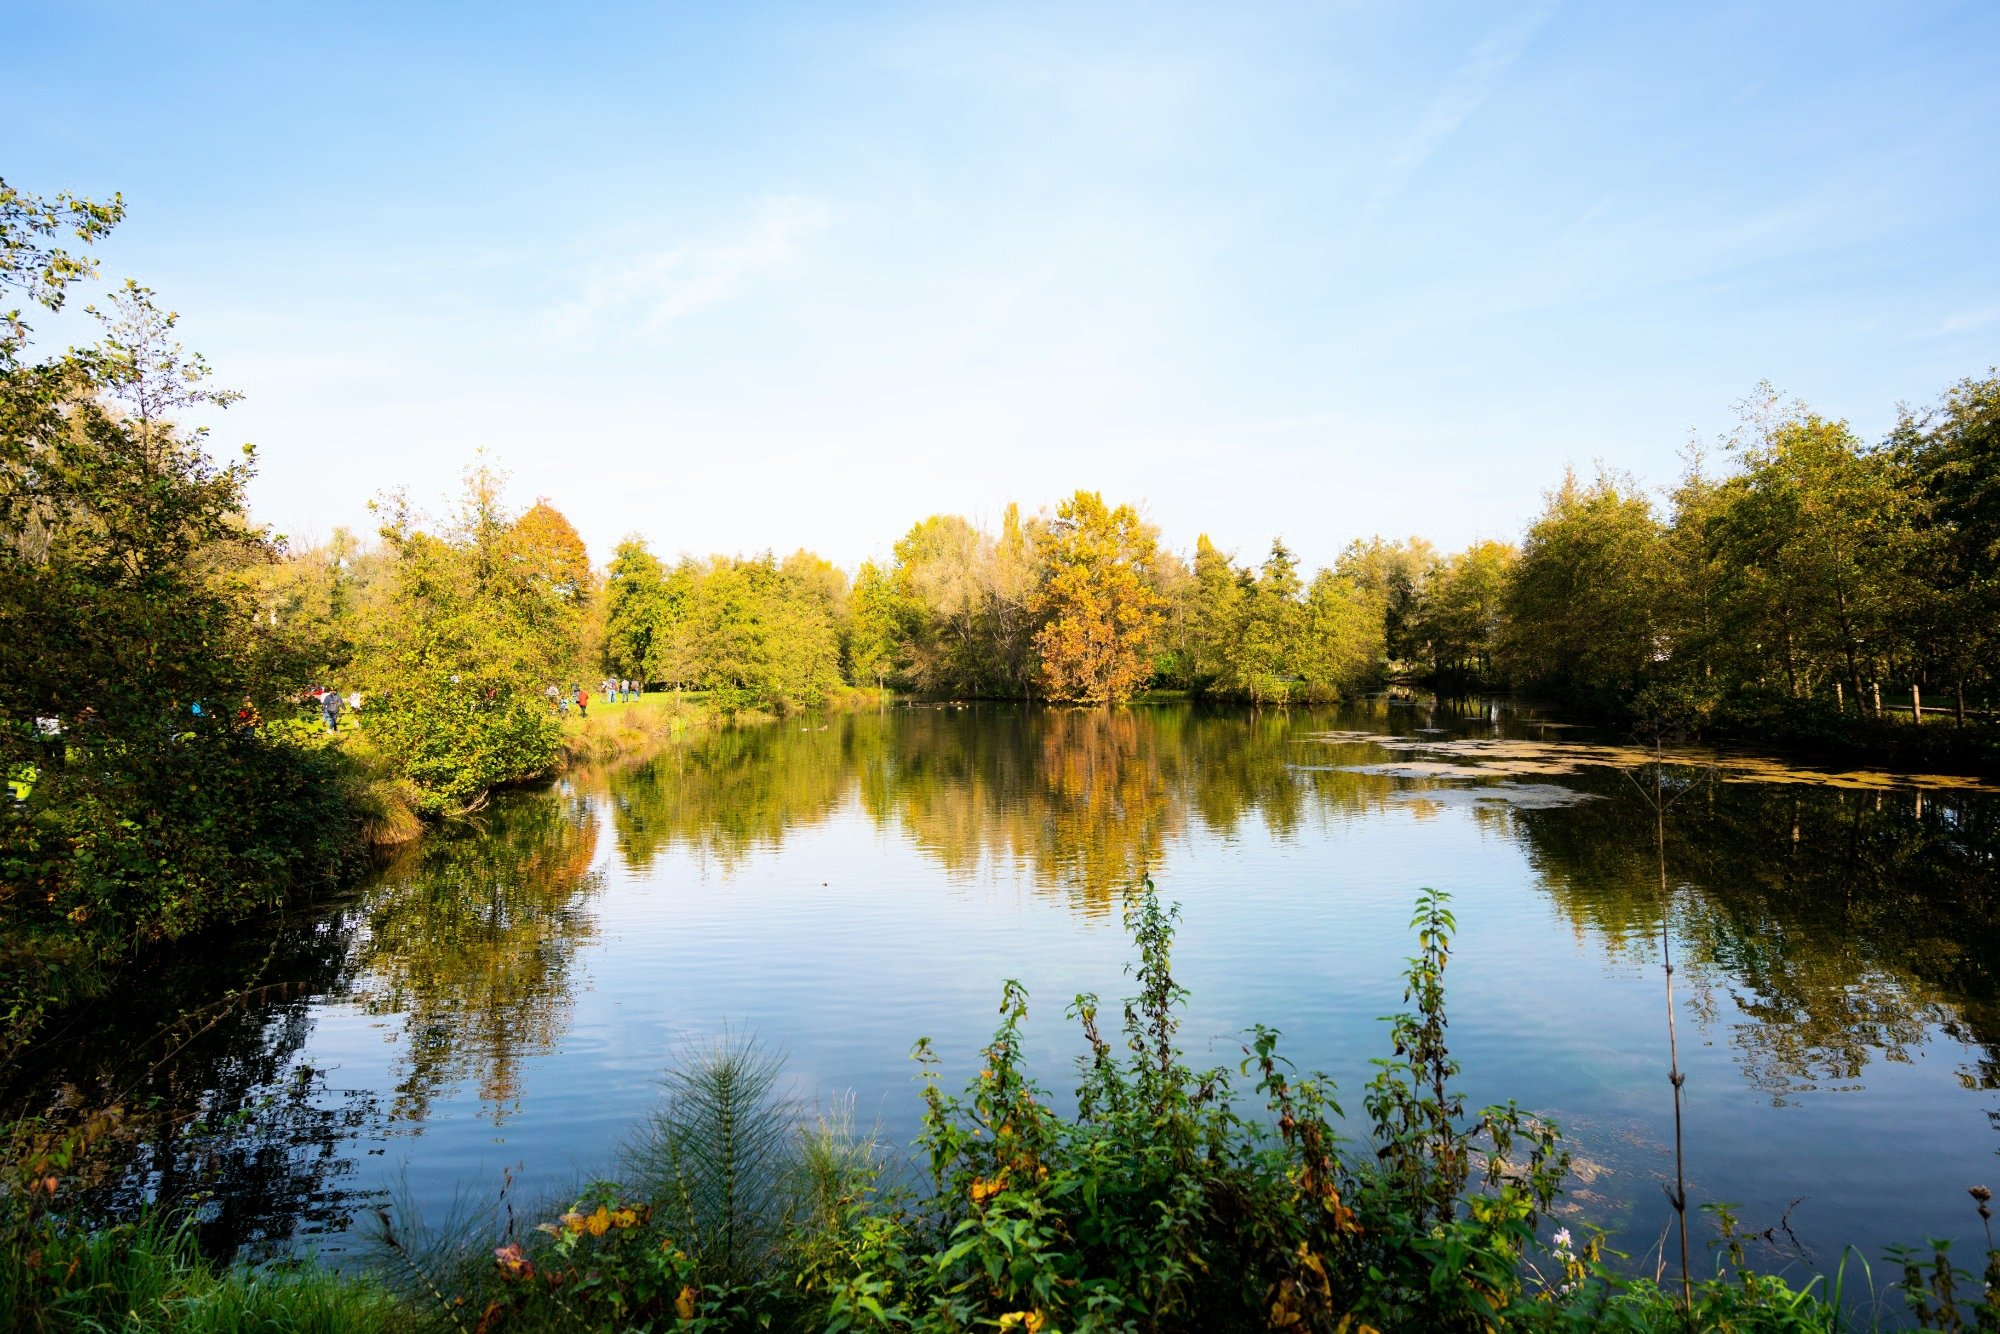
1458, 621
144, 804
874, 622
1394, 574
1264, 662
1098, 607
635, 593
1340, 642
940, 574
1219, 593
1951, 457
1818, 536
1582, 606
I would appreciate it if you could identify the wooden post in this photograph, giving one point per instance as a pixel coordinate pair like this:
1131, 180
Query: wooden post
1876, 686
1958, 703
1916, 703
1839, 698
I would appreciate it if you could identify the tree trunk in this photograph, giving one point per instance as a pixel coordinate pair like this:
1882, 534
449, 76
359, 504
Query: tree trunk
1958, 703
1876, 686
1916, 703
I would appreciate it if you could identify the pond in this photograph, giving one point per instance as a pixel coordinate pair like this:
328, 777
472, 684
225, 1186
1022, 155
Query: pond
497, 1003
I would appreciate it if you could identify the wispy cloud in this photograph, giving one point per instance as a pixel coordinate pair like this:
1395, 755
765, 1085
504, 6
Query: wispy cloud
646, 292
1470, 85
1970, 321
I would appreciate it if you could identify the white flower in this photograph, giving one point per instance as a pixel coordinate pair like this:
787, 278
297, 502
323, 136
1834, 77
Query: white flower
1562, 1239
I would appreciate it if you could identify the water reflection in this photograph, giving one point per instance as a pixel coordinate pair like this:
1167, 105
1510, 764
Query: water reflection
471, 942
1845, 926
1824, 930
217, 1107
1084, 801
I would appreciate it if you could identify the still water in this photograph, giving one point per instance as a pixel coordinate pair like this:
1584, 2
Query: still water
498, 1002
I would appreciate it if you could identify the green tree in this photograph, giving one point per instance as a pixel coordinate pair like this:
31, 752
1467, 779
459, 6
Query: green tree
31, 264
940, 577
1219, 594
145, 805
479, 618
1951, 457
1818, 537
1341, 644
1582, 608
1395, 575
1459, 619
636, 609
756, 633
1264, 661
875, 618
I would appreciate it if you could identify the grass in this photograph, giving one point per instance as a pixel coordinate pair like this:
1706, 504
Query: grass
631, 729
149, 1275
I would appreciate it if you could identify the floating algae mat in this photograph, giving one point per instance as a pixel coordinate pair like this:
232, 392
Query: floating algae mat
1499, 757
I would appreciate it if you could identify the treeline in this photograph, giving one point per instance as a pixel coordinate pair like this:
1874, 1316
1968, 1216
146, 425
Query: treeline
1080, 606
1797, 580
1817, 568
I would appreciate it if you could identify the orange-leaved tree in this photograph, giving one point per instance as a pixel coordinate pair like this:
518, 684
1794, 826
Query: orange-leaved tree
1096, 602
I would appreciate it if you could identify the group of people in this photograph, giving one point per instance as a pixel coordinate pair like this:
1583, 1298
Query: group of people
611, 689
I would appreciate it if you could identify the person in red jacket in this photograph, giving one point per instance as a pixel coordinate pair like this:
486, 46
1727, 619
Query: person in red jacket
582, 702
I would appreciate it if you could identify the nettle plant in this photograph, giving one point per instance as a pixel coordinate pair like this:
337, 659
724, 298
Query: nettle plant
1162, 1204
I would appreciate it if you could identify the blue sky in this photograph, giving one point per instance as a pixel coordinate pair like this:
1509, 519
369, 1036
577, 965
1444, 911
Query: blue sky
738, 277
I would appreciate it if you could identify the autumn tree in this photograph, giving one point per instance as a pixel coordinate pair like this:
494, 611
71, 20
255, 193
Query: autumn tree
548, 577
1098, 608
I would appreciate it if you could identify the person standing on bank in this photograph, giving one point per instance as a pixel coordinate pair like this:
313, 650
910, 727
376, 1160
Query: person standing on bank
330, 703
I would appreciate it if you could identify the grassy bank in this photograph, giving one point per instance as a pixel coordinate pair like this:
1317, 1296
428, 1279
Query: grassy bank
630, 730
1173, 1198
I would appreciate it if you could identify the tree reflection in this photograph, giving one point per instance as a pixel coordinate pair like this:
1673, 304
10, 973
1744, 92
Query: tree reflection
724, 794
1846, 926
473, 939
201, 1056
1085, 801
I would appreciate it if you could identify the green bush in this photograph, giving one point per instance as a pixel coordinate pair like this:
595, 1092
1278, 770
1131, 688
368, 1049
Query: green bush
121, 845
458, 738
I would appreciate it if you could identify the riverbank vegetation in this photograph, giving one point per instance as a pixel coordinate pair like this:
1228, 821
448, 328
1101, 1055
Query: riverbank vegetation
1168, 1198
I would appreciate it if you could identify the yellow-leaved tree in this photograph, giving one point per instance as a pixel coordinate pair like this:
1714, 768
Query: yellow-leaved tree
1095, 600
